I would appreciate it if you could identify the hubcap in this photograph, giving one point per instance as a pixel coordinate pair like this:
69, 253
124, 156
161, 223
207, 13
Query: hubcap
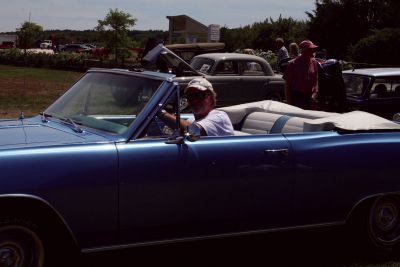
387, 217
385, 221
20, 246
9, 256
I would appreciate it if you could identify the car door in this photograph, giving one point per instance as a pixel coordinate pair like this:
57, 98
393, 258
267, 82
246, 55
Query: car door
253, 81
336, 171
227, 83
216, 185
383, 99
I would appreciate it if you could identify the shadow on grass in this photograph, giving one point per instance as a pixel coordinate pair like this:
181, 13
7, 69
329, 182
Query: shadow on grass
300, 248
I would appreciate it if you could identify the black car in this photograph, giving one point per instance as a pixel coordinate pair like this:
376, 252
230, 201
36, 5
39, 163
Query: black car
375, 90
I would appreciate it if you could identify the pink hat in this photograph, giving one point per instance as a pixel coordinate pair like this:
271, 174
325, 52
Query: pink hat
307, 44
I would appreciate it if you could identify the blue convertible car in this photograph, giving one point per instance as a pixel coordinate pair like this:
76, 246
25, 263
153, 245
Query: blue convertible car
98, 170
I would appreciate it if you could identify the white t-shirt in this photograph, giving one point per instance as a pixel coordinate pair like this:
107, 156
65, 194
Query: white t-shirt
216, 123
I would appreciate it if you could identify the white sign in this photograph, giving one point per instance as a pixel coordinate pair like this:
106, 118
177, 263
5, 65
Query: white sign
213, 33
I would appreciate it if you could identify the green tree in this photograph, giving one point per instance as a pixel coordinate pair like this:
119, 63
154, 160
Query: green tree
338, 24
262, 35
114, 31
380, 47
28, 33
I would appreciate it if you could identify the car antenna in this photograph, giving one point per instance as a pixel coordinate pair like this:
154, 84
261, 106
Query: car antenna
21, 95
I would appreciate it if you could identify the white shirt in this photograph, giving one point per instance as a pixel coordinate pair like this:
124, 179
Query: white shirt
216, 123
282, 54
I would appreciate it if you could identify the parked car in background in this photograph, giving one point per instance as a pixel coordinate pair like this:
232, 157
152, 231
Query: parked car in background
46, 44
236, 78
376, 90
90, 45
92, 174
76, 48
7, 45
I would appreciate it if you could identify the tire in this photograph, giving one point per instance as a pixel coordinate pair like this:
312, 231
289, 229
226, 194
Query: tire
383, 223
276, 96
20, 245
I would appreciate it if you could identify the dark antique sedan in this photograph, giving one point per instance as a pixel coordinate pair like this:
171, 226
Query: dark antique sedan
375, 90
236, 78
91, 173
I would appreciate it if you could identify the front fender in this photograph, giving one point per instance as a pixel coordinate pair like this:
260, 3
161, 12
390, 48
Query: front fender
38, 211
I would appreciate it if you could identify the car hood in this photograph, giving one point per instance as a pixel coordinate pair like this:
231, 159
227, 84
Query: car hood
170, 57
23, 133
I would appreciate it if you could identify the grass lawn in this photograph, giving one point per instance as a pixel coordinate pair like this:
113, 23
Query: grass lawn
31, 90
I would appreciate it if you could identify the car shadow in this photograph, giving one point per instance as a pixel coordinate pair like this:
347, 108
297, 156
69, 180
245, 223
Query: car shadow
295, 248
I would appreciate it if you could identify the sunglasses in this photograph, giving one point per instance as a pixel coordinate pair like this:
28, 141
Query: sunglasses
197, 96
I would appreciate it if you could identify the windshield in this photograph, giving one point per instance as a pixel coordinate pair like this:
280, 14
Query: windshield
203, 65
355, 84
105, 101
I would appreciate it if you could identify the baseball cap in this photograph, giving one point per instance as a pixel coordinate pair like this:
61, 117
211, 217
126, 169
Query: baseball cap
200, 83
307, 44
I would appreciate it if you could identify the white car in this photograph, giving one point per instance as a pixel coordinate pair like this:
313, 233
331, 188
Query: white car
46, 44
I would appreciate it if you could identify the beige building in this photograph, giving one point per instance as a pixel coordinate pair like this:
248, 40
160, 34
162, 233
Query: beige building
184, 29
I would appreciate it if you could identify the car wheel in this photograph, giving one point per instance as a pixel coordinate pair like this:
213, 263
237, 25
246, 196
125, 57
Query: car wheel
276, 96
20, 246
383, 222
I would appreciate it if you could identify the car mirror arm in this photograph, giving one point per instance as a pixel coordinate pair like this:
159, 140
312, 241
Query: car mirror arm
193, 132
178, 140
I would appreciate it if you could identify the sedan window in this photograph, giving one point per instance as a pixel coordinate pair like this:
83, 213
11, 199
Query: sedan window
227, 67
356, 84
204, 65
385, 88
252, 68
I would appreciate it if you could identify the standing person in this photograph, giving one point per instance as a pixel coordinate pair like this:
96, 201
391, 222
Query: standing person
293, 53
202, 99
293, 50
301, 77
282, 51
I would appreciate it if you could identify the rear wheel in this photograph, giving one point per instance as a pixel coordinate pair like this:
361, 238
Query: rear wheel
383, 224
20, 246
276, 96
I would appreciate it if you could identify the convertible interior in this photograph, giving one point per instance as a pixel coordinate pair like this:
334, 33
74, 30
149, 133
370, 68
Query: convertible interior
275, 117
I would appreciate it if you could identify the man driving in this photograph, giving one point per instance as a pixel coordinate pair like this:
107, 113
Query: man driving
202, 99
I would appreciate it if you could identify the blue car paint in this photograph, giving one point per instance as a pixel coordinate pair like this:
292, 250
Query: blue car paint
112, 190
203, 183
76, 175
365, 164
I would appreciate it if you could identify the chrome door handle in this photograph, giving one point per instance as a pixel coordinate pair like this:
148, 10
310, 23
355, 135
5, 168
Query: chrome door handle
282, 152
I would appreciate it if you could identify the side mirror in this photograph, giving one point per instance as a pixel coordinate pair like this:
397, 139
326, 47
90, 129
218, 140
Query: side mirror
193, 132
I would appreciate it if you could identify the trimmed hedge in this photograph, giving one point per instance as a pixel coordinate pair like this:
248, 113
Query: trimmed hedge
66, 61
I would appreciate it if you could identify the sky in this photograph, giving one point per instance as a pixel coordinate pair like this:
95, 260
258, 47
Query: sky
150, 14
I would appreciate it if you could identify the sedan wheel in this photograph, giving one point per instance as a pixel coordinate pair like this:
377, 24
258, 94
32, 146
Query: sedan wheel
20, 247
384, 222
276, 96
